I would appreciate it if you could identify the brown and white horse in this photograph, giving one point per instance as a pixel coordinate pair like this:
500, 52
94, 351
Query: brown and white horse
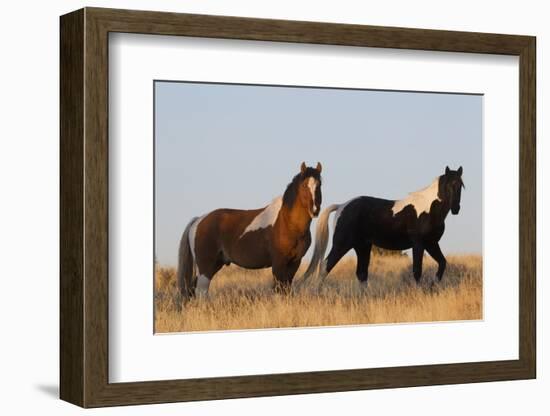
275, 236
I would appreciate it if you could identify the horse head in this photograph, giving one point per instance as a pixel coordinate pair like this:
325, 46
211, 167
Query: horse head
450, 187
307, 188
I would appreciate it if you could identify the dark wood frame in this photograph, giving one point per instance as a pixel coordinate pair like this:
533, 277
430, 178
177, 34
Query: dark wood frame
84, 210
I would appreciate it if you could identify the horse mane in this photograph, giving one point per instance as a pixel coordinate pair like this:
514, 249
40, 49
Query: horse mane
289, 197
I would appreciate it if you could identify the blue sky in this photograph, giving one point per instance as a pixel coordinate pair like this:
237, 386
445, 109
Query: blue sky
238, 146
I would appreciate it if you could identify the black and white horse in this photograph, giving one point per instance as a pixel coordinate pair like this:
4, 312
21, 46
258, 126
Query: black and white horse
417, 222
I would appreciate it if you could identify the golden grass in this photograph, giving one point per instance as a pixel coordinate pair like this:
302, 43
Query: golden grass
244, 299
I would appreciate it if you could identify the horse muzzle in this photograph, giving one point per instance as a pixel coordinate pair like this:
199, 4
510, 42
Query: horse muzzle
455, 210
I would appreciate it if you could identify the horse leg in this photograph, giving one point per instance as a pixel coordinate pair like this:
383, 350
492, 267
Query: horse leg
335, 255
203, 283
435, 251
363, 259
418, 254
284, 274
341, 244
207, 270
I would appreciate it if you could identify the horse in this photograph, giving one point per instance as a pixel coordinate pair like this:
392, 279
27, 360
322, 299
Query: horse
417, 222
275, 236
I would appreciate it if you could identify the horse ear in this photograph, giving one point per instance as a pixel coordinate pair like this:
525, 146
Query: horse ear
447, 170
303, 167
459, 171
319, 167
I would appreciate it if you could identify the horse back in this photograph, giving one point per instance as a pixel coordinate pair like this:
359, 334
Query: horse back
222, 234
374, 219
371, 218
226, 224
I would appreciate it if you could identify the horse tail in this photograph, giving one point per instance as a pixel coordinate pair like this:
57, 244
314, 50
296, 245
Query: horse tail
186, 264
321, 241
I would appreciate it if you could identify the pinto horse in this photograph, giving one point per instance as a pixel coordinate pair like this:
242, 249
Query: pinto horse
275, 236
417, 222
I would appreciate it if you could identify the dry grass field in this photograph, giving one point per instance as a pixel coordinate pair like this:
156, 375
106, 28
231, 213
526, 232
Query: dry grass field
243, 299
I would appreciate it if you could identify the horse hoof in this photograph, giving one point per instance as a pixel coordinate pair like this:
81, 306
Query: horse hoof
434, 286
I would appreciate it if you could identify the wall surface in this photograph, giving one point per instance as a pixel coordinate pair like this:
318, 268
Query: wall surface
29, 160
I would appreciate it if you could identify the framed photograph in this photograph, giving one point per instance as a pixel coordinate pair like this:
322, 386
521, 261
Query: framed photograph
254, 207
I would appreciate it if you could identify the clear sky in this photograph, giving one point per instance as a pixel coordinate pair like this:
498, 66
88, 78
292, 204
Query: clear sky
238, 146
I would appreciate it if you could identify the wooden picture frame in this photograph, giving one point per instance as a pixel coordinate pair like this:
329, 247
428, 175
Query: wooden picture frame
84, 207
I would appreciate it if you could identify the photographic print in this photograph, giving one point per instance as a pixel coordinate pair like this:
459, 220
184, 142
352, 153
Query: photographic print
292, 206
251, 183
